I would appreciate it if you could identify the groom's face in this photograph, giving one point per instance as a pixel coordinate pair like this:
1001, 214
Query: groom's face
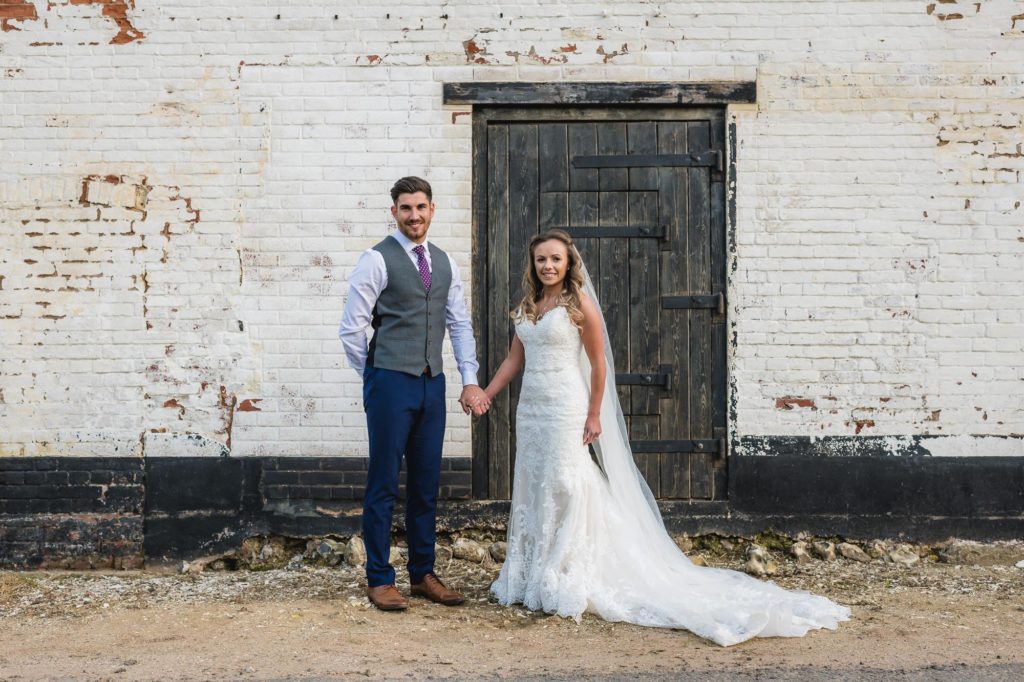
413, 213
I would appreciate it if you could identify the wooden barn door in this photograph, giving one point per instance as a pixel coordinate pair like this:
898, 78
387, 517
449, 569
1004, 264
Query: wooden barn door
642, 193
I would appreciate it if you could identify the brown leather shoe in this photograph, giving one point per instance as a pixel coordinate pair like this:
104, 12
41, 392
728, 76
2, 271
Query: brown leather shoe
433, 589
387, 598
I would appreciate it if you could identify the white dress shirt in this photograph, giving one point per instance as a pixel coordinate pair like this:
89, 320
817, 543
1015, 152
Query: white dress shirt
365, 284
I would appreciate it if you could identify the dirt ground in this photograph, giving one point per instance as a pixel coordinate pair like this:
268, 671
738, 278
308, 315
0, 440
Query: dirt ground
930, 621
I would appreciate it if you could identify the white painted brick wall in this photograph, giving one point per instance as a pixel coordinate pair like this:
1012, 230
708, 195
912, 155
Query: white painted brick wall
184, 187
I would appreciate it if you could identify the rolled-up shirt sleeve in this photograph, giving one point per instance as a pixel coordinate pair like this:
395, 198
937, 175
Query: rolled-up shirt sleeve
460, 328
365, 283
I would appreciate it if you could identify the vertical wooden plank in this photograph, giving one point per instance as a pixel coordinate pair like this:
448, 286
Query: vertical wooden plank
583, 198
642, 138
614, 210
554, 212
524, 207
698, 255
498, 418
674, 340
553, 143
644, 332
582, 138
719, 360
481, 314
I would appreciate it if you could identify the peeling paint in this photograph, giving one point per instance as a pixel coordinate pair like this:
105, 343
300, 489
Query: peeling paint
182, 444
608, 56
861, 424
974, 446
249, 405
16, 10
475, 54
790, 402
117, 11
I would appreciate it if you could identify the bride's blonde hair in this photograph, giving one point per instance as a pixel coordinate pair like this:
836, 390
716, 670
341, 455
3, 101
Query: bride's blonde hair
572, 286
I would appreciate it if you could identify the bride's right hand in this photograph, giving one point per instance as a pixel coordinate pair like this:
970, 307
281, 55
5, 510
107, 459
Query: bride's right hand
591, 430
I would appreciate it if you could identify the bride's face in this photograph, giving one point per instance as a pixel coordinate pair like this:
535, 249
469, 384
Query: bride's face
551, 262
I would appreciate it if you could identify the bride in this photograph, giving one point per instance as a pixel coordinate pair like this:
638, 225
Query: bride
586, 535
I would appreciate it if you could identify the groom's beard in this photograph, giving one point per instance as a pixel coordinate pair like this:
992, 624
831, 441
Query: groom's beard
415, 232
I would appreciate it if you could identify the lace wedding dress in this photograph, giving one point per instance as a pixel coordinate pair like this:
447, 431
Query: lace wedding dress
582, 539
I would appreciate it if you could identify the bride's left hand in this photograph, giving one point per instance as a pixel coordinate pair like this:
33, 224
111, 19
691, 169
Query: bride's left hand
591, 430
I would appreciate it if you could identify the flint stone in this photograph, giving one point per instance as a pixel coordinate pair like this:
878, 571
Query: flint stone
469, 550
355, 552
698, 560
877, 549
498, 550
903, 555
977, 554
798, 551
442, 553
824, 550
853, 552
329, 547
759, 563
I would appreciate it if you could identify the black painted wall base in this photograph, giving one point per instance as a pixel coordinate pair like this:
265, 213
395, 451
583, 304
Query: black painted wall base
117, 512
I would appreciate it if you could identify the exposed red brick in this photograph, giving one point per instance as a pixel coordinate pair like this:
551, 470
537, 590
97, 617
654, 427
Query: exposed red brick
175, 405
456, 114
117, 11
16, 10
862, 423
571, 47
373, 58
249, 405
474, 53
789, 402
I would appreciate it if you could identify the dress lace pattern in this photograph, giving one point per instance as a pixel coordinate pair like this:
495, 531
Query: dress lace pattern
572, 548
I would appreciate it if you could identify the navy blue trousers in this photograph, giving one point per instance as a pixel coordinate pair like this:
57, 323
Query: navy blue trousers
405, 415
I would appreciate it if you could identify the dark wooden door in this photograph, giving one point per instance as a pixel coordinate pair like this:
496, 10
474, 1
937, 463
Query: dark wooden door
642, 192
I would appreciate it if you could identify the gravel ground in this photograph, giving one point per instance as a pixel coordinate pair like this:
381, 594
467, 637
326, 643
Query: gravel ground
932, 621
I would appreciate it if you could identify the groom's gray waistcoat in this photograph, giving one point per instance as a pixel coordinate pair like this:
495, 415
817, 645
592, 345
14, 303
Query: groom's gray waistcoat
408, 321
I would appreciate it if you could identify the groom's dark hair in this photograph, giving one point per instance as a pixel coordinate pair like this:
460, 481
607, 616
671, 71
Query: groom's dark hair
410, 185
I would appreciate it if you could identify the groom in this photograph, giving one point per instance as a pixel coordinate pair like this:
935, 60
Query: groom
409, 291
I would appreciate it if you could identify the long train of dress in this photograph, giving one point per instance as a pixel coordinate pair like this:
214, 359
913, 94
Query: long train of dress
573, 548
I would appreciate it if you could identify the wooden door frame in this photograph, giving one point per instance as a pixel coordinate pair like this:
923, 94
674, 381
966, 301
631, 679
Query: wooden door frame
541, 102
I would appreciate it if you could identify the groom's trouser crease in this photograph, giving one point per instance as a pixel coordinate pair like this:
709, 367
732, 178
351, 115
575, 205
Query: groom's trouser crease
405, 416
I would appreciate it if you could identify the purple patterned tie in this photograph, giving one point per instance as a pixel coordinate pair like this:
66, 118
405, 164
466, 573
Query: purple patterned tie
421, 263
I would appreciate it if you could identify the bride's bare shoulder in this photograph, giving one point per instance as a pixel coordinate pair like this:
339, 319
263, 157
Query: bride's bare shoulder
588, 307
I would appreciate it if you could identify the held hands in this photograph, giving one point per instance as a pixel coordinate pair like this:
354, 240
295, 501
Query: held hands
591, 430
474, 400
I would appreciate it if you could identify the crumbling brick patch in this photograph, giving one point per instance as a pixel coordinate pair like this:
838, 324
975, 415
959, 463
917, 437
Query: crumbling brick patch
790, 402
951, 10
117, 11
71, 512
16, 10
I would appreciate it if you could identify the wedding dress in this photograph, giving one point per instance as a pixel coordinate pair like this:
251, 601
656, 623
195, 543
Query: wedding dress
585, 539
